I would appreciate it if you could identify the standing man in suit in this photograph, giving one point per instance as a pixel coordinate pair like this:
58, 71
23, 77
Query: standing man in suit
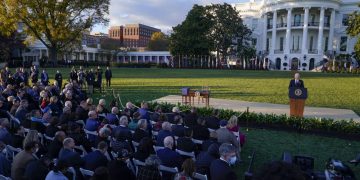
44, 78
58, 79
297, 105
296, 82
220, 168
108, 76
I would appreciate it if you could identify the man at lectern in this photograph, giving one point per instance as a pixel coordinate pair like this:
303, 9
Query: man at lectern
296, 82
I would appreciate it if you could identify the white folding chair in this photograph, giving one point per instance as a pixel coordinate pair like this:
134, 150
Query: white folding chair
184, 153
81, 122
41, 137
72, 171
211, 130
86, 172
137, 164
196, 141
200, 176
12, 151
87, 132
155, 133
2, 177
82, 149
173, 170
156, 148
135, 144
49, 138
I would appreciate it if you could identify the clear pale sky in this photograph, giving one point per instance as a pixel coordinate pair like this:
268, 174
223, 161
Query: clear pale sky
162, 14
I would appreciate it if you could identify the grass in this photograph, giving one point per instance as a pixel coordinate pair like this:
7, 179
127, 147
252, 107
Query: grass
325, 90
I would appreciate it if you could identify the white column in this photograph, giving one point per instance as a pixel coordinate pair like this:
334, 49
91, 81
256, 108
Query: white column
87, 56
273, 38
137, 59
143, 58
331, 33
265, 31
288, 32
40, 53
157, 60
304, 47
321, 31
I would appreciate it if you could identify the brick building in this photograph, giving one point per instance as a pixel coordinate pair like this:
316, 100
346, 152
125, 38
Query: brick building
132, 35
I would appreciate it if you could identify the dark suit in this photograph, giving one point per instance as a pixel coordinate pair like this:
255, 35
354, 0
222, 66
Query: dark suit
94, 160
169, 158
122, 133
300, 84
44, 78
119, 170
72, 158
108, 76
81, 113
178, 130
190, 120
200, 132
54, 149
212, 122
36, 170
139, 134
162, 135
220, 170
186, 144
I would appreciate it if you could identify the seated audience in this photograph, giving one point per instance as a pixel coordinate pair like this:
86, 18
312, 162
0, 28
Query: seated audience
144, 112
178, 128
104, 134
171, 116
100, 173
157, 112
134, 121
18, 137
118, 167
200, 131
213, 139
226, 136
22, 159
21, 112
166, 131
52, 128
188, 170
113, 116
82, 111
150, 170
205, 158
5, 164
96, 158
59, 171
122, 132
144, 150
190, 119
56, 145
38, 169
5, 135
140, 132
220, 168
234, 127
68, 154
213, 121
33, 135
168, 156
102, 103
185, 143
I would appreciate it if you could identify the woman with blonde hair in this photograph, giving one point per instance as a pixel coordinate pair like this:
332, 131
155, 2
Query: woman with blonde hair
234, 127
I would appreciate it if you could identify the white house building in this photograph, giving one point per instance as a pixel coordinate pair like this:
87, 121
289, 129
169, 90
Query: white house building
299, 35
158, 57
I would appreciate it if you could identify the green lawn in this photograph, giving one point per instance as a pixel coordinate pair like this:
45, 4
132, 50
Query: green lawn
325, 90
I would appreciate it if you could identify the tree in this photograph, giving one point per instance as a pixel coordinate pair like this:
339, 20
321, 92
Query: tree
158, 42
191, 36
8, 44
354, 30
56, 23
227, 29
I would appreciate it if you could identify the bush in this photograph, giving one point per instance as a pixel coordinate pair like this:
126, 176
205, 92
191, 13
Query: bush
247, 118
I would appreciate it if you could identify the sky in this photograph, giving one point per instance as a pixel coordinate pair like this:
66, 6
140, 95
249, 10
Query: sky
162, 14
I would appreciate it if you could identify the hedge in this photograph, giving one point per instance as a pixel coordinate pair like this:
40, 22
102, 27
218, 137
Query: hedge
345, 128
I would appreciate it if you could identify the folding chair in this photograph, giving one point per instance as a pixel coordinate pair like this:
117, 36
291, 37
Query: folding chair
82, 149
200, 176
86, 172
188, 154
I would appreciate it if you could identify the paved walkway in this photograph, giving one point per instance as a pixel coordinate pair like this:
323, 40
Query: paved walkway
267, 108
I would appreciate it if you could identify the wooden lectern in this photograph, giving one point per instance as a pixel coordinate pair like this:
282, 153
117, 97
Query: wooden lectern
297, 101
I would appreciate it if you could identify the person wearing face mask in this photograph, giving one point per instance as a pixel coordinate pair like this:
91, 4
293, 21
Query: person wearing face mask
22, 159
220, 168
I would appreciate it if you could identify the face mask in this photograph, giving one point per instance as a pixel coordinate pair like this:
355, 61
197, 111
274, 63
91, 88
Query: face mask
232, 160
